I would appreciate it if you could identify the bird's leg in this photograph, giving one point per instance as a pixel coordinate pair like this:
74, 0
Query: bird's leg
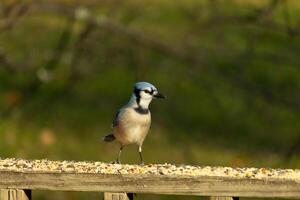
119, 155
141, 157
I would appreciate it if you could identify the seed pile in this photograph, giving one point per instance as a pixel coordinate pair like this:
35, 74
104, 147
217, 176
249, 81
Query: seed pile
48, 166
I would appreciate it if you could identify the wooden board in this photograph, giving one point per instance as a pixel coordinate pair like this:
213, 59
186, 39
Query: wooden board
15, 194
151, 178
223, 198
116, 196
155, 184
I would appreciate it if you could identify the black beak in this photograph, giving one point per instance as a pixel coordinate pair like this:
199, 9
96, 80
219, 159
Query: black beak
159, 95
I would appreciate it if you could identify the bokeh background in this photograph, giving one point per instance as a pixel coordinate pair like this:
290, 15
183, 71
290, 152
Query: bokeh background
230, 70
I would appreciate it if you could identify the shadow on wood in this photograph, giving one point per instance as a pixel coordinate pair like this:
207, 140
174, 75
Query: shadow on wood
15, 194
118, 196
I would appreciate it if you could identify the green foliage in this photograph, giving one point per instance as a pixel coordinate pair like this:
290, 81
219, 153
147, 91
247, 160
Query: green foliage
229, 69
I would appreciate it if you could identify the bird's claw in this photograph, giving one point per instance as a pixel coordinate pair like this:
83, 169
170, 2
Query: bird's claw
116, 162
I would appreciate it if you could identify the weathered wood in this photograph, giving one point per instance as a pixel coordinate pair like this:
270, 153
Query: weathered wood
154, 179
15, 194
116, 196
223, 198
155, 184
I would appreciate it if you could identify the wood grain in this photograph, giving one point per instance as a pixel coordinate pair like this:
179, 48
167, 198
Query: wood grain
152, 178
155, 184
223, 198
115, 196
15, 194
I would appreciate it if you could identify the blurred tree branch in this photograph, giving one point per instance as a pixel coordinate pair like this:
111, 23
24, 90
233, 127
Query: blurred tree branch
260, 17
143, 39
111, 25
179, 52
5, 63
9, 16
46, 71
77, 50
183, 52
42, 73
62, 44
12, 13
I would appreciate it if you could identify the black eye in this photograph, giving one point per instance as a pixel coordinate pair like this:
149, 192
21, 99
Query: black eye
147, 91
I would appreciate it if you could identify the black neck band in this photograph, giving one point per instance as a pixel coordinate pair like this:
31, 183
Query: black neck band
142, 111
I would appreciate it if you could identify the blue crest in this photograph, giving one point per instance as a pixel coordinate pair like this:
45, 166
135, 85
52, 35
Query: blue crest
143, 85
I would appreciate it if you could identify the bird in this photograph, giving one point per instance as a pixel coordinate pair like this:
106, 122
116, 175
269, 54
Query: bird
132, 122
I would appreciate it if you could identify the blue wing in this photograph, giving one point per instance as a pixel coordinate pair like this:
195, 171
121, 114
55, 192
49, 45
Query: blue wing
116, 119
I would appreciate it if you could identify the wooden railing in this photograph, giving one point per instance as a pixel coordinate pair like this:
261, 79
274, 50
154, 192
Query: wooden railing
19, 177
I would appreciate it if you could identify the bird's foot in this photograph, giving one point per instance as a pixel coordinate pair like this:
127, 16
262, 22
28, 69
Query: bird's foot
142, 163
115, 162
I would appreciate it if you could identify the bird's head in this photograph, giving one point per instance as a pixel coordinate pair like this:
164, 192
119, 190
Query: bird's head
144, 92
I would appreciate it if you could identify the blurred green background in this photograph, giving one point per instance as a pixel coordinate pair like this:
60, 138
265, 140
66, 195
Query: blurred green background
230, 70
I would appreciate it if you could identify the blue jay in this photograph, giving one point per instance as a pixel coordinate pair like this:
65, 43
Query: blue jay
132, 122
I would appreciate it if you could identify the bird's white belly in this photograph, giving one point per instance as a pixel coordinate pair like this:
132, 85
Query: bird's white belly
133, 129
136, 134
